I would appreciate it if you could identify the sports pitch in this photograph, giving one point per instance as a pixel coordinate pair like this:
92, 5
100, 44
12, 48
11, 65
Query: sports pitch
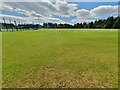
60, 58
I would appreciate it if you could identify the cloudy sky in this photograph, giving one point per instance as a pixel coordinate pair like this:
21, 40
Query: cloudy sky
59, 11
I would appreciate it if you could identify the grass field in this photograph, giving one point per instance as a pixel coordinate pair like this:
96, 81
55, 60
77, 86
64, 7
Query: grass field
0, 60
49, 58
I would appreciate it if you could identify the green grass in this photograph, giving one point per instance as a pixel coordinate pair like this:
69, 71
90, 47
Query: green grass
48, 58
0, 60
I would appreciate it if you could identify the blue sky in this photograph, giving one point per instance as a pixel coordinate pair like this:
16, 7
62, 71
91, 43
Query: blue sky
87, 6
92, 5
60, 11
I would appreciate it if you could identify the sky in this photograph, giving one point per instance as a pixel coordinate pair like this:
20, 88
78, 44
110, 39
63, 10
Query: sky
57, 11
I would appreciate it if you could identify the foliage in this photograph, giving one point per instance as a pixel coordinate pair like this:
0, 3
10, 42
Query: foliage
110, 22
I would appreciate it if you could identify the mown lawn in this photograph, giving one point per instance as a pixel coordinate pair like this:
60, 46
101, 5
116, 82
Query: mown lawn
49, 58
0, 60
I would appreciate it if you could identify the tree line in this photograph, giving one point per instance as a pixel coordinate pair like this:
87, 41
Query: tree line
109, 23
17, 26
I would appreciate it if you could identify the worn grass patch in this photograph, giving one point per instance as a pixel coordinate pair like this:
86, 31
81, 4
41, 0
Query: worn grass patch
54, 59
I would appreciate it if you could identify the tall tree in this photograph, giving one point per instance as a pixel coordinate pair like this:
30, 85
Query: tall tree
117, 23
90, 25
85, 25
109, 22
5, 24
16, 25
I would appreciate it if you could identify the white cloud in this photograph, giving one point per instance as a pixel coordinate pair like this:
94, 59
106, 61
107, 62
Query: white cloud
45, 8
37, 12
65, 9
5, 7
30, 19
96, 13
43, 11
79, 20
66, 0
83, 13
12, 18
101, 11
55, 20
29, 7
